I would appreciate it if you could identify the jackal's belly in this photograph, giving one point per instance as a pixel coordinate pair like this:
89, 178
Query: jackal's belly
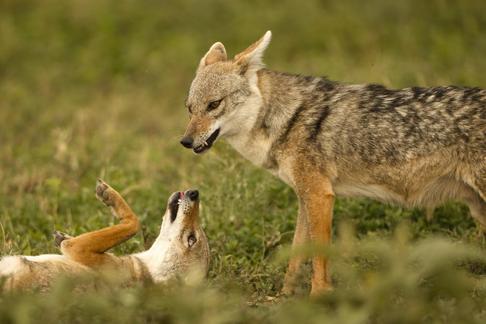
421, 182
373, 191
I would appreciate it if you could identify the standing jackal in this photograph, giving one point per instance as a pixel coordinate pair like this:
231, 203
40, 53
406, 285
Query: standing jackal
413, 146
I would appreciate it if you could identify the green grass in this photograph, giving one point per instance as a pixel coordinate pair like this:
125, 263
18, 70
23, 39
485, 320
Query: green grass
96, 89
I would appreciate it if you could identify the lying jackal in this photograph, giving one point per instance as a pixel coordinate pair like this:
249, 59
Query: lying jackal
180, 249
413, 146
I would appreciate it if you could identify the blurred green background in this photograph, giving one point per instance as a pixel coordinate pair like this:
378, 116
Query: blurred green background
96, 89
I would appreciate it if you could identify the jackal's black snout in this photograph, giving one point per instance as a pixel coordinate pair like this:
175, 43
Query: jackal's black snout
193, 194
187, 141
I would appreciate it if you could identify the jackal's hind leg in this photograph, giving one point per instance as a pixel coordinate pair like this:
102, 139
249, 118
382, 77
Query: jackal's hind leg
477, 206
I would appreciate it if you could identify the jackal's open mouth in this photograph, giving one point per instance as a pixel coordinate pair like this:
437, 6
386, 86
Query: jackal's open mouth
208, 143
174, 204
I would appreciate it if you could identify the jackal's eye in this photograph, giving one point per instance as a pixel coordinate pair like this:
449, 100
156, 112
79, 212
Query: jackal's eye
191, 239
214, 104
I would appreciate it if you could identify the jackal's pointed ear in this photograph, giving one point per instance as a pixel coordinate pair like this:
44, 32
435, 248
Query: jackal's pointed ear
252, 57
216, 53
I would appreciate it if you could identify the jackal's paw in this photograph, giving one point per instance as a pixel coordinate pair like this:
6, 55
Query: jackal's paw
105, 193
59, 237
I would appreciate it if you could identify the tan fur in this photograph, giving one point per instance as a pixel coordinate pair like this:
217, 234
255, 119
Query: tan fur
199, 125
216, 53
413, 146
317, 196
301, 237
181, 249
89, 248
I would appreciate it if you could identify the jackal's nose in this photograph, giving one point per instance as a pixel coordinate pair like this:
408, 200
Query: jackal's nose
192, 194
187, 142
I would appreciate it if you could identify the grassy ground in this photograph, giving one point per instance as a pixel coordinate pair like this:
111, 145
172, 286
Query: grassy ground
96, 89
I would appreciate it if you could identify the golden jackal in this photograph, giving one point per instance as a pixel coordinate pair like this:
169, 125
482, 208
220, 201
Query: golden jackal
413, 146
180, 249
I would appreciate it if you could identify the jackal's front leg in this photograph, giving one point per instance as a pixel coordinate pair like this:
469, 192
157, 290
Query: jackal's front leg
59, 237
89, 248
301, 236
317, 199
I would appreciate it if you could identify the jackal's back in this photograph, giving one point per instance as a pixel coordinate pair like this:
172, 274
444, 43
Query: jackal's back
390, 126
372, 123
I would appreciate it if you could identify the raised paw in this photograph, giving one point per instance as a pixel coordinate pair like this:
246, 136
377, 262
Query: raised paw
59, 237
105, 193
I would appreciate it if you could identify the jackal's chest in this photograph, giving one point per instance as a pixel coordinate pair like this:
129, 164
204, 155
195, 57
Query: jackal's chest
258, 154
253, 148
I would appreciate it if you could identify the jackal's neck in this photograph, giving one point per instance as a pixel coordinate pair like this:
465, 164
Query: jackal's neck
280, 96
284, 95
156, 258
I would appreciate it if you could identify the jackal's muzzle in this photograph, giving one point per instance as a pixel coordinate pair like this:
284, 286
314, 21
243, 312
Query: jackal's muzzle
177, 199
188, 142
